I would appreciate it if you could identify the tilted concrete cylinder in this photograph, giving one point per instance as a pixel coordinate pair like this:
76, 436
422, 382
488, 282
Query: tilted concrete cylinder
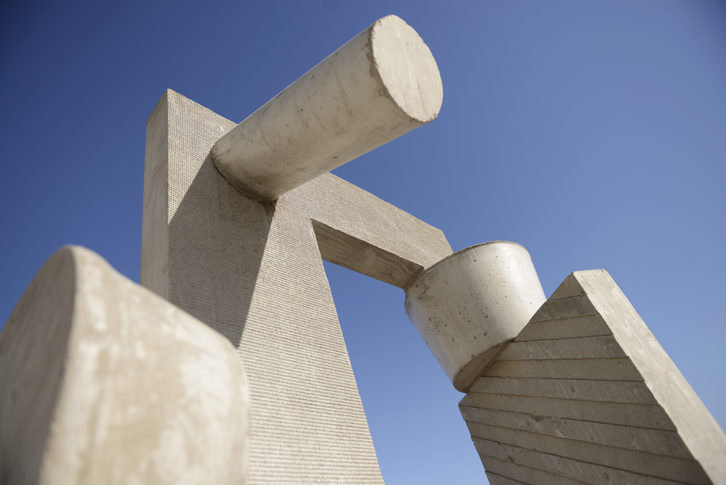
469, 304
381, 84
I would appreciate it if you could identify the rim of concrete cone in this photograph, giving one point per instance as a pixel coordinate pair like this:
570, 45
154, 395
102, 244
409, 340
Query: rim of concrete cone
461, 251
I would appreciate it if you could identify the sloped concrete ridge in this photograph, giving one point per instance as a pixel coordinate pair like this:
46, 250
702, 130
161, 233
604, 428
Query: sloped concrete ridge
380, 85
586, 394
105, 382
471, 303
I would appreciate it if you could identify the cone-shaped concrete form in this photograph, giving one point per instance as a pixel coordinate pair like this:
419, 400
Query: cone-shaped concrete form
381, 84
470, 303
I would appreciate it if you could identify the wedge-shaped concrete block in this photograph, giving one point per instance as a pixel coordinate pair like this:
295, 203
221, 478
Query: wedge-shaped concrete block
104, 382
586, 393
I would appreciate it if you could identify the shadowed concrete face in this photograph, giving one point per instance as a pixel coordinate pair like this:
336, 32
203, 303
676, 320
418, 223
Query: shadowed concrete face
380, 85
105, 382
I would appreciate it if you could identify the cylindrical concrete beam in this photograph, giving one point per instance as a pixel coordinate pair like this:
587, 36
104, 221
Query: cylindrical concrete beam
381, 84
471, 303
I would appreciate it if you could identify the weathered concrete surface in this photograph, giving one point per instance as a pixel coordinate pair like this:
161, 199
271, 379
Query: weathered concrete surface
585, 393
254, 272
105, 382
471, 303
380, 85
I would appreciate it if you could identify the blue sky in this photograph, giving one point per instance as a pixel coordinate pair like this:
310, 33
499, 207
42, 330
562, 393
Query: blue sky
594, 133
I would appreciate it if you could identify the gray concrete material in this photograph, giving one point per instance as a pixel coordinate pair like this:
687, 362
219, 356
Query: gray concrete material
588, 326
358, 255
380, 85
471, 302
658, 442
568, 348
495, 479
253, 271
366, 234
565, 307
699, 431
632, 411
129, 389
665, 467
578, 470
522, 474
154, 227
647, 417
586, 390
598, 369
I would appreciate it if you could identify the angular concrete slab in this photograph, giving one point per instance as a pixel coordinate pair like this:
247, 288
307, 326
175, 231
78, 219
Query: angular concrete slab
585, 393
105, 382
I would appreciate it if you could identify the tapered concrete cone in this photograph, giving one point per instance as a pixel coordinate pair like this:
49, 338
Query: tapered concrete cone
469, 304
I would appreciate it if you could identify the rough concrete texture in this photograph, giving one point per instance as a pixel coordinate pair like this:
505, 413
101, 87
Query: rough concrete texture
585, 394
471, 303
253, 271
105, 382
380, 85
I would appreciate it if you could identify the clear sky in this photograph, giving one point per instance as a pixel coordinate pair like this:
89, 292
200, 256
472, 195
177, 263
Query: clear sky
594, 133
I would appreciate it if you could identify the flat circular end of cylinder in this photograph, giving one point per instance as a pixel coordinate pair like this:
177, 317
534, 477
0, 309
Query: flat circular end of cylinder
407, 68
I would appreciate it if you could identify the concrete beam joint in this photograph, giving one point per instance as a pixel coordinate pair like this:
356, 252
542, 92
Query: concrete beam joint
380, 85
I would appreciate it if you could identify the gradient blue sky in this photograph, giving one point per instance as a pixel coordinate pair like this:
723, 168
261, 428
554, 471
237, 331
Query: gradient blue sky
594, 133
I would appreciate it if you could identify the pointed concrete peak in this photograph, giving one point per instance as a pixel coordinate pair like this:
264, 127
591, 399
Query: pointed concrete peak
160, 105
586, 276
568, 288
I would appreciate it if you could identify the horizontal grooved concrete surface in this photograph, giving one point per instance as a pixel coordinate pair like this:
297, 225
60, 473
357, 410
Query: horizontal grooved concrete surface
588, 472
522, 474
586, 392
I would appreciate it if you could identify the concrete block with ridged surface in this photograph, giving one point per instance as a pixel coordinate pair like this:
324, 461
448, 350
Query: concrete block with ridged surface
586, 394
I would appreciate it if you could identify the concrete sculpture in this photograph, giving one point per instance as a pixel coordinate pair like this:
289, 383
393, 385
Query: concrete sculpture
237, 220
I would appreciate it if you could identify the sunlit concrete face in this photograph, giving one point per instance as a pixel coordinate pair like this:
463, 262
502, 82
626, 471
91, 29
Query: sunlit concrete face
586, 394
471, 303
105, 382
380, 85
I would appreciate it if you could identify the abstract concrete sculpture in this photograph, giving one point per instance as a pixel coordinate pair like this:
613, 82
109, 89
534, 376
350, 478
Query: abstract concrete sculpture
237, 220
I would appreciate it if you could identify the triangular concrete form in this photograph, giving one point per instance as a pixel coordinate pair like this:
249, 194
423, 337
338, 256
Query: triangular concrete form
586, 394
